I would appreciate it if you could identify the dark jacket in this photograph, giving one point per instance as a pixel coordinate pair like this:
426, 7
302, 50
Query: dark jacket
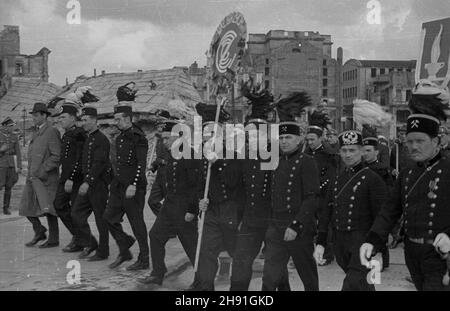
353, 202
383, 172
295, 187
131, 157
326, 162
71, 155
257, 193
158, 192
226, 191
96, 166
421, 195
182, 180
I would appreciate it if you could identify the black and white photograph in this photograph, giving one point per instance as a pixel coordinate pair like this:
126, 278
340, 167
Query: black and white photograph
236, 146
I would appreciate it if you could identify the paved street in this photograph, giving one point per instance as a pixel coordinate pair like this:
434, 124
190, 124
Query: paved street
23, 268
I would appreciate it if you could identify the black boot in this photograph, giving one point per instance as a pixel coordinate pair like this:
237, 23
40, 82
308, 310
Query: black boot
6, 202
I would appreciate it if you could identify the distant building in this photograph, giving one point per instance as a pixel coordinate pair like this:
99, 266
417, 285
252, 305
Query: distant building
14, 65
288, 61
386, 82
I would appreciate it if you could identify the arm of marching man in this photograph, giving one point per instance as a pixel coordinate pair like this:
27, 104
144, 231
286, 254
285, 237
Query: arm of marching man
158, 192
54, 146
386, 218
80, 139
325, 217
141, 147
310, 189
378, 194
100, 161
194, 177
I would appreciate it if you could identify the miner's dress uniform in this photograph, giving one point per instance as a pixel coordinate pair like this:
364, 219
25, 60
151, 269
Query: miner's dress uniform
181, 179
294, 191
422, 193
9, 147
96, 170
389, 181
71, 156
254, 224
354, 201
383, 172
131, 163
327, 163
222, 217
158, 192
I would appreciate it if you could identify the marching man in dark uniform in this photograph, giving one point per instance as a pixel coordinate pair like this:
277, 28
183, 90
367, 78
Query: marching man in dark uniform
421, 195
71, 178
326, 162
294, 190
177, 215
371, 159
252, 231
370, 156
10, 161
93, 192
223, 214
127, 191
354, 202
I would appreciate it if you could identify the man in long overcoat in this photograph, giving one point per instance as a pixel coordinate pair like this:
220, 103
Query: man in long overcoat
42, 179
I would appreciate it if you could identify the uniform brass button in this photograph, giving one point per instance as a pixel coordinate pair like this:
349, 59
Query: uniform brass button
430, 232
350, 213
430, 224
290, 183
349, 228
351, 205
288, 206
352, 198
289, 191
431, 215
349, 221
292, 175
288, 198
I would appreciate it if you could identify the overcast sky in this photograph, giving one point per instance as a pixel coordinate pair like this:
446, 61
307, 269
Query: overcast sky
126, 35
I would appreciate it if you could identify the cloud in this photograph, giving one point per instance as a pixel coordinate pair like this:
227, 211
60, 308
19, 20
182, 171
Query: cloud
126, 35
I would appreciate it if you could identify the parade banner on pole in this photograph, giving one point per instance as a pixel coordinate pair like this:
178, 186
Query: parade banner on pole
434, 60
228, 44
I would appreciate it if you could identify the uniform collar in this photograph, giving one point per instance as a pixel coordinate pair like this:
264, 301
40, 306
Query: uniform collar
126, 130
318, 148
356, 168
292, 154
71, 129
373, 162
93, 132
431, 162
